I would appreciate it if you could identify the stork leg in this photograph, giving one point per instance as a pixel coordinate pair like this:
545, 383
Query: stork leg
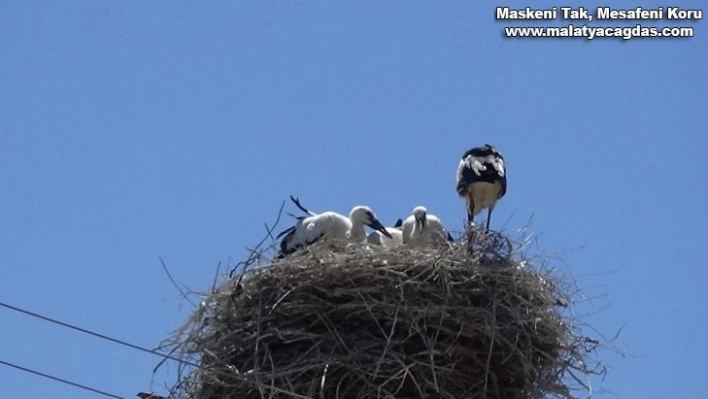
470, 212
470, 225
489, 217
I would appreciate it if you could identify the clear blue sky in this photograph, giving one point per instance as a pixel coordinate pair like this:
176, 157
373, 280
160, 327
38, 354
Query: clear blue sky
132, 130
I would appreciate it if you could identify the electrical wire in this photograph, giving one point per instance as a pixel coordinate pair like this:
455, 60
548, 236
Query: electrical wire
63, 381
105, 337
95, 334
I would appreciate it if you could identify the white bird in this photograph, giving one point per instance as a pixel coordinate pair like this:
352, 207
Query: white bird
396, 232
330, 226
421, 228
481, 180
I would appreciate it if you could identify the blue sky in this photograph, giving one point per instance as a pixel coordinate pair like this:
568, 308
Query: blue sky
133, 130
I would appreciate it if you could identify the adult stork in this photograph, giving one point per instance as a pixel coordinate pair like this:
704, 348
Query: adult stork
481, 180
330, 226
422, 228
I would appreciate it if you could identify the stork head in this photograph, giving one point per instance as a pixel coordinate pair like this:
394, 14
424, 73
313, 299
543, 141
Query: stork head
421, 216
364, 215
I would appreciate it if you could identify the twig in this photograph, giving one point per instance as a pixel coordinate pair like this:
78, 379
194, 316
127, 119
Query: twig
182, 293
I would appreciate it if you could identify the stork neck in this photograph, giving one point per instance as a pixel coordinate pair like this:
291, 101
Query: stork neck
357, 232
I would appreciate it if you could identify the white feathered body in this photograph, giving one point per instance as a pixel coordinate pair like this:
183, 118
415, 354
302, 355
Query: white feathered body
376, 238
433, 232
331, 227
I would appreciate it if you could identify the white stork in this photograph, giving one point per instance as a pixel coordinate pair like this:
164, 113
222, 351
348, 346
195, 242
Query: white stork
396, 240
330, 226
481, 180
421, 228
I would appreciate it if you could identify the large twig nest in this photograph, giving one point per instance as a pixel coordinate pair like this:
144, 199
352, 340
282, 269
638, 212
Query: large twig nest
434, 323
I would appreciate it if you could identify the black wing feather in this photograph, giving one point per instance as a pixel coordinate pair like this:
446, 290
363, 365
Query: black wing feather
469, 176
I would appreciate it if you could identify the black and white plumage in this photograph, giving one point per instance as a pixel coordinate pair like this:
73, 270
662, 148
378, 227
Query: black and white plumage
422, 228
330, 226
481, 180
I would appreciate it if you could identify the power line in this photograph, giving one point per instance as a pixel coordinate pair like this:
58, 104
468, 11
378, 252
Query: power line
95, 334
63, 381
117, 341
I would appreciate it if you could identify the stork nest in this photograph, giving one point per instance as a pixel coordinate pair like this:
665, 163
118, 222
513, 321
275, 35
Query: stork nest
433, 323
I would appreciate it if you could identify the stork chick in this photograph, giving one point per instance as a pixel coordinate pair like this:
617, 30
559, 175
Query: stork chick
330, 226
378, 239
421, 229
